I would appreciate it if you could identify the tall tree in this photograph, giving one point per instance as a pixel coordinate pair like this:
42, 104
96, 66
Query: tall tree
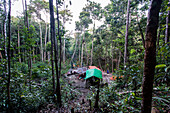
9, 57
126, 35
58, 32
167, 31
150, 55
5, 32
29, 51
56, 56
53, 36
84, 22
95, 11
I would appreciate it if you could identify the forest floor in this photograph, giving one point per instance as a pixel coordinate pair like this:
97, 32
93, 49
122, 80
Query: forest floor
80, 104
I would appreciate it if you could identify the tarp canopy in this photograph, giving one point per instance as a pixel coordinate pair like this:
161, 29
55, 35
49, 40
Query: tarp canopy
94, 67
93, 72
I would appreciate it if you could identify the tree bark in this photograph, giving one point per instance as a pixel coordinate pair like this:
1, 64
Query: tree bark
9, 58
167, 31
126, 35
91, 54
150, 55
48, 53
79, 48
159, 31
82, 48
56, 60
5, 35
19, 46
87, 60
97, 96
45, 42
53, 36
64, 51
118, 62
74, 50
29, 50
92, 45
140, 29
58, 25
41, 49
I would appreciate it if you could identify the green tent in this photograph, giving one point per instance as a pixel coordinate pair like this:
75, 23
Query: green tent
93, 72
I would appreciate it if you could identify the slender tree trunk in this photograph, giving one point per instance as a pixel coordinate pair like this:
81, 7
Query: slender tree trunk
118, 64
53, 36
97, 96
167, 31
5, 35
64, 51
150, 55
112, 55
45, 42
74, 50
140, 29
41, 49
126, 35
87, 60
33, 54
91, 54
159, 31
48, 53
58, 23
19, 46
29, 50
82, 48
9, 58
92, 46
79, 48
1, 55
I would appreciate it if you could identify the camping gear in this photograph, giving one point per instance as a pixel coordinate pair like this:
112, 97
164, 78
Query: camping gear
93, 72
94, 67
115, 77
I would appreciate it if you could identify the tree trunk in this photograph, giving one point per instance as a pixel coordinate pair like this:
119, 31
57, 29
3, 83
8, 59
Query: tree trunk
150, 55
167, 31
159, 31
92, 46
140, 29
64, 51
48, 53
5, 35
74, 50
118, 62
33, 54
126, 35
19, 46
56, 60
87, 60
97, 96
58, 25
91, 54
9, 58
41, 49
45, 42
53, 36
29, 50
82, 48
79, 48
112, 56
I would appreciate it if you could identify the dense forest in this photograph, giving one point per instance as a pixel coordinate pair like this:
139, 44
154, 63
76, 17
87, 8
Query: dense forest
40, 58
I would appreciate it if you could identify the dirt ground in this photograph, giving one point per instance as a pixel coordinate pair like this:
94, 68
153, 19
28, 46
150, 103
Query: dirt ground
80, 104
